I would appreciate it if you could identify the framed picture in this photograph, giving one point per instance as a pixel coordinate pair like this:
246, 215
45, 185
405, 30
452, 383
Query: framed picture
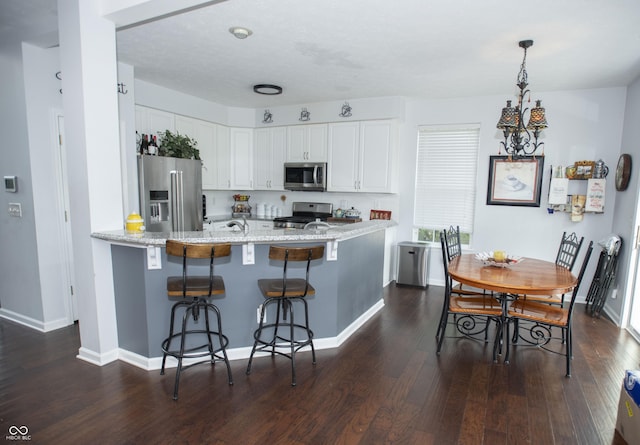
515, 182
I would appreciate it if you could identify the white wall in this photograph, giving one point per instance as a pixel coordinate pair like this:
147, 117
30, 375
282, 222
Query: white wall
582, 125
128, 148
19, 279
626, 218
43, 99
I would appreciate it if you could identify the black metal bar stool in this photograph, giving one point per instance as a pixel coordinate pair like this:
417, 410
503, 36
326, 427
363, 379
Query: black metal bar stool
195, 292
283, 292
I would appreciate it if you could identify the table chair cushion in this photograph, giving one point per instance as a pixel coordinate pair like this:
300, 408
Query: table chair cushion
541, 312
475, 305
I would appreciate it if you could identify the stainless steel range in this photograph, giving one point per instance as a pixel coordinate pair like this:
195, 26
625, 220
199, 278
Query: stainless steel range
303, 213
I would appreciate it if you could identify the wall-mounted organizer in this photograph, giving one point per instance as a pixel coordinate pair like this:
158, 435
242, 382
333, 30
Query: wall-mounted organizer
578, 189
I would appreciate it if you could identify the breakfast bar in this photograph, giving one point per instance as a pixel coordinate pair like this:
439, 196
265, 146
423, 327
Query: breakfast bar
348, 282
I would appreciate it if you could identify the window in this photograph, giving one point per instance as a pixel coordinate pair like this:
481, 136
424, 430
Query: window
445, 181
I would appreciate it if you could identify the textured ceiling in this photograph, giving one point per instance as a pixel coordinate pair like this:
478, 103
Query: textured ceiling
320, 50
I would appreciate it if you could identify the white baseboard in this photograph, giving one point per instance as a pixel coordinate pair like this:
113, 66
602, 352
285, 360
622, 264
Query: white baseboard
97, 359
22, 319
32, 323
155, 363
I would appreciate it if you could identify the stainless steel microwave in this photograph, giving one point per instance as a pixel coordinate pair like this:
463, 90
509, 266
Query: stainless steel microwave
305, 176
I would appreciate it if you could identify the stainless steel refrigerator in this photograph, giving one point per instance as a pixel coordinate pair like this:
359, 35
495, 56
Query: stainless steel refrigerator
170, 193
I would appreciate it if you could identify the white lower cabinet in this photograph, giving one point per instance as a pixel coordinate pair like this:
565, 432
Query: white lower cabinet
361, 157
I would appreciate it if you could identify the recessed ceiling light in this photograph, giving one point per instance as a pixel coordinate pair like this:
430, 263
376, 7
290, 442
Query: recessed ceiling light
240, 32
270, 90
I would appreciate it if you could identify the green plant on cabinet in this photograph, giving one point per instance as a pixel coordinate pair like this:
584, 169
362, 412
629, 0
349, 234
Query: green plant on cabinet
178, 146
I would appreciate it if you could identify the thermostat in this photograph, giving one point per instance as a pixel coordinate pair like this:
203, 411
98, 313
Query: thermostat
11, 184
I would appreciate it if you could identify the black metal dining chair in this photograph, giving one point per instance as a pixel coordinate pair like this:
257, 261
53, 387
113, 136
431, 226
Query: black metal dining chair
472, 315
566, 257
544, 318
453, 248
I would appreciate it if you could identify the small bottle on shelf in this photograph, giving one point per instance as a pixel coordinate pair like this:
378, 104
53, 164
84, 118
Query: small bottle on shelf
153, 147
144, 145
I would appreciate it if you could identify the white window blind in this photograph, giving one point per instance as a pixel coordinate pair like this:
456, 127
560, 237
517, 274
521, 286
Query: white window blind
446, 177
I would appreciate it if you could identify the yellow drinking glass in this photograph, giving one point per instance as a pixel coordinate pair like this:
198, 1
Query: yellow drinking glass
499, 255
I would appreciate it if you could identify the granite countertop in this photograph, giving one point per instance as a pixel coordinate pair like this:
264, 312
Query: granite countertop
262, 236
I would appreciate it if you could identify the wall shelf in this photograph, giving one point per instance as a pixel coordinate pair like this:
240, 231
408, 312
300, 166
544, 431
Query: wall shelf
575, 196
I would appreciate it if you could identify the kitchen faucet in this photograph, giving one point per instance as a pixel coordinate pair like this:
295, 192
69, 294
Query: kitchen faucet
317, 224
244, 225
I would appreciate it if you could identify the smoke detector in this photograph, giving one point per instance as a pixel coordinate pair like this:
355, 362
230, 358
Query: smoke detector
240, 33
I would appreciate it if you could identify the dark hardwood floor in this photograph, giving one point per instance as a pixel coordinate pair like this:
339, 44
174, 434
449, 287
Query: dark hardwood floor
384, 385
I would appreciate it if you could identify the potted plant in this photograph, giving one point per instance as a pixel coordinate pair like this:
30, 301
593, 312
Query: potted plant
177, 145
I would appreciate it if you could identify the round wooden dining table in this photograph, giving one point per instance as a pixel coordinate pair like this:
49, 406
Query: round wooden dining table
529, 276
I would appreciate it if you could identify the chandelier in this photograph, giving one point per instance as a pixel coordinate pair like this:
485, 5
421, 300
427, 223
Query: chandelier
521, 140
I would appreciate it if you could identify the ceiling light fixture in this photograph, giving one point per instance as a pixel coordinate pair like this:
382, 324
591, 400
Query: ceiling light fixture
240, 33
512, 119
265, 88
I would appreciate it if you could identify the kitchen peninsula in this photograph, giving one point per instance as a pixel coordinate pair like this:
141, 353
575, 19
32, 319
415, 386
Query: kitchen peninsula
348, 282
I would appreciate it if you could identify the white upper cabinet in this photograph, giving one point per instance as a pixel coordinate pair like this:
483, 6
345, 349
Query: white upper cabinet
307, 143
361, 157
222, 169
186, 126
154, 122
377, 156
343, 157
269, 155
205, 134
241, 158
226, 153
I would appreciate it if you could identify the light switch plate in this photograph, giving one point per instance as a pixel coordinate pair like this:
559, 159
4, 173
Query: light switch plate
154, 259
11, 184
15, 209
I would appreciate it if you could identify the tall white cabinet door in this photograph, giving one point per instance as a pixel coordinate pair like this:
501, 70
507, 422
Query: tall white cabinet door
317, 143
343, 157
297, 143
241, 158
278, 149
159, 121
186, 126
206, 133
153, 122
376, 157
262, 155
223, 158
269, 152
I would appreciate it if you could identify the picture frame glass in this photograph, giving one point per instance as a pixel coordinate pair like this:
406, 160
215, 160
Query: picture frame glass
515, 182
